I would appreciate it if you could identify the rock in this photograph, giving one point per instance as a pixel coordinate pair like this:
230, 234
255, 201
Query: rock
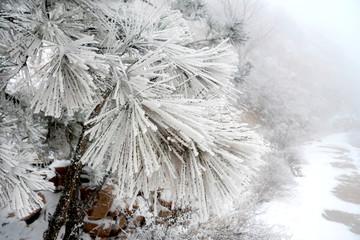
113, 214
61, 170
95, 230
165, 203
164, 213
53, 180
10, 215
126, 234
84, 193
60, 177
34, 215
113, 227
139, 221
121, 224
42, 197
58, 180
122, 221
151, 208
132, 211
102, 205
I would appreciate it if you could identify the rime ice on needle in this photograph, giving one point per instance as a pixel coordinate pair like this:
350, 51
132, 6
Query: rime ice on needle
167, 122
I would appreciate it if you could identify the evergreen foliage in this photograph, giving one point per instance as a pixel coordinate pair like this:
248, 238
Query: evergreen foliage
21, 138
164, 120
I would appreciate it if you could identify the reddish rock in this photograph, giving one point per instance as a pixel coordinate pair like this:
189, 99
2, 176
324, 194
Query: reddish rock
164, 213
126, 234
34, 215
161, 200
102, 205
95, 230
120, 223
58, 180
60, 177
132, 211
53, 180
10, 215
139, 221
61, 170
84, 192
113, 214
42, 197
165, 203
113, 229
151, 208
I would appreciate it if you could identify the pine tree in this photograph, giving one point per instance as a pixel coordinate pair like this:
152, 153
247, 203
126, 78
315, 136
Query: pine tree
154, 111
21, 137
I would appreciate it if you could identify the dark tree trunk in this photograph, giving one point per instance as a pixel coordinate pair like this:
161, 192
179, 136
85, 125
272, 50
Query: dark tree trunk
73, 212
77, 212
58, 219
71, 186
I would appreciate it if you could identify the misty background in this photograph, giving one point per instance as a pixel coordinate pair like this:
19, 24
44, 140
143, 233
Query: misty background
331, 32
308, 52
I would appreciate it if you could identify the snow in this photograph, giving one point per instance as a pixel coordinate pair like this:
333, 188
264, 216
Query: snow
59, 163
301, 215
12, 228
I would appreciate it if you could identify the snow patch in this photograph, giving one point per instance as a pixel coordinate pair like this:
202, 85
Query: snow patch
302, 215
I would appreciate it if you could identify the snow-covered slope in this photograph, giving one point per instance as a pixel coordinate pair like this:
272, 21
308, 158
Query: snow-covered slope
325, 204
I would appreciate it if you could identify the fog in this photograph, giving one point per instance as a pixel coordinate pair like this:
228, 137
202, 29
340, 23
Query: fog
310, 48
305, 84
332, 28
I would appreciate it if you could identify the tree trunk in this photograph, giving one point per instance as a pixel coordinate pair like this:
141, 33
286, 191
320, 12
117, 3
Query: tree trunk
73, 212
71, 186
77, 212
58, 219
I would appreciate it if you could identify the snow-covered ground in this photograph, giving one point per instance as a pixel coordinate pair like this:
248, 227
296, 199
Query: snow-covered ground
325, 203
13, 229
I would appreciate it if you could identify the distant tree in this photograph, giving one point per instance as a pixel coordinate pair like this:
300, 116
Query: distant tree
153, 112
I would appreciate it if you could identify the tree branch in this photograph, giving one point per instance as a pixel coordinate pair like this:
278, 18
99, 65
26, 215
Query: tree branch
58, 219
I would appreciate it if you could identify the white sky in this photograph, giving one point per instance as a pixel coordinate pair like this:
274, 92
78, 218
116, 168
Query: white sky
333, 26
336, 20
329, 28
